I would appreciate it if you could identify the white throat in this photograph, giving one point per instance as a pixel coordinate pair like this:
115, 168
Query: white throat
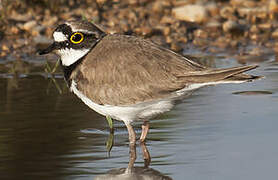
70, 56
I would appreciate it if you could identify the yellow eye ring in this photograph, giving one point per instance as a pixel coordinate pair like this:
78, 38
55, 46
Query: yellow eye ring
77, 38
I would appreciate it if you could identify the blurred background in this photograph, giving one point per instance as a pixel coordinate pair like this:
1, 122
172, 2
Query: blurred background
223, 132
214, 26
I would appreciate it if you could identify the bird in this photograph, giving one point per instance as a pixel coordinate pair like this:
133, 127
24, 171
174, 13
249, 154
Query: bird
129, 78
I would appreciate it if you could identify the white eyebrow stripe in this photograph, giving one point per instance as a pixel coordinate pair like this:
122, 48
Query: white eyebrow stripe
59, 37
83, 31
74, 29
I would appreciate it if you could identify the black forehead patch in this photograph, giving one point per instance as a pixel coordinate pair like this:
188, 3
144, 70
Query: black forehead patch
64, 28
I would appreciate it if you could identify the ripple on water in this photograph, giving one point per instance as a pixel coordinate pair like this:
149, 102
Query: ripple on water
93, 131
248, 93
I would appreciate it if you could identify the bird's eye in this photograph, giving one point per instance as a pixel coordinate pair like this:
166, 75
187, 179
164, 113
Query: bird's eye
77, 38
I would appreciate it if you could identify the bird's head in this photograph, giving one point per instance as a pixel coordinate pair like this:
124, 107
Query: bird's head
73, 40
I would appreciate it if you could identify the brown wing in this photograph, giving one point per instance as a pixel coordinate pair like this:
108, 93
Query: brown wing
123, 70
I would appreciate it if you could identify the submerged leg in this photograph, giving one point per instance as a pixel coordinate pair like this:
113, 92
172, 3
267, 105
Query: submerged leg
145, 130
146, 155
132, 158
131, 134
132, 146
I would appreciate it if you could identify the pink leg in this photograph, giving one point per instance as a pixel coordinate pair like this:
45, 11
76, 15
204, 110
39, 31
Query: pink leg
145, 130
131, 134
132, 146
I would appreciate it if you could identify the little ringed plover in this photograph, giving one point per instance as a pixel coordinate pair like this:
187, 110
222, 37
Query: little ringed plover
129, 78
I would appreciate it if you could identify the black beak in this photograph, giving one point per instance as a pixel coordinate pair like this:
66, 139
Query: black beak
49, 49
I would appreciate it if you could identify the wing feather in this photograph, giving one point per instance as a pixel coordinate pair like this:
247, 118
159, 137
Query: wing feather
123, 70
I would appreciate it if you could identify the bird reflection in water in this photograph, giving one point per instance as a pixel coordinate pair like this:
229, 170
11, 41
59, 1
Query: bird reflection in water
131, 172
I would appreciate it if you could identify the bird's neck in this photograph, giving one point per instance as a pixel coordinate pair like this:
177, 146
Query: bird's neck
68, 69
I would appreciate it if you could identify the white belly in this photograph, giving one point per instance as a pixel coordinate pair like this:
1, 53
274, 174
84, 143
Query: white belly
128, 114
141, 111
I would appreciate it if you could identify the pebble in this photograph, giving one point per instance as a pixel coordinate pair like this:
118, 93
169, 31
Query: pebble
5, 47
168, 39
183, 39
246, 3
254, 37
200, 42
230, 26
212, 9
143, 30
233, 27
234, 43
180, 3
275, 34
19, 43
227, 12
167, 20
175, 46
273, 6
19, 17
237, 2
190, 13
101, 1
42, 41
256, 51
39, 29
201, 34
158, 6
166, 31
265, 26
275, 48
29, 25
1, 35
50, 21
260, 12
221, 42
158, 40
254, 29
213, 24
14, 30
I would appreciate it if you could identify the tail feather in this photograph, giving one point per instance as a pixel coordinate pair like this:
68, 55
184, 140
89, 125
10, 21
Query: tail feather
243, 77
228, 74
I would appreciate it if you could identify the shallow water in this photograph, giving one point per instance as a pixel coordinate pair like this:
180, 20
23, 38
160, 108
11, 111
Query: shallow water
220, 132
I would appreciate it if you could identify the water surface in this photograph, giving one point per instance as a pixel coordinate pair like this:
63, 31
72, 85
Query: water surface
220, 132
